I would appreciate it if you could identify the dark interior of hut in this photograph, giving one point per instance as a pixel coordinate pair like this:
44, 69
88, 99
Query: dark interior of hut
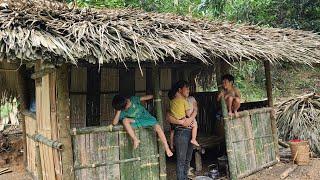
90, 102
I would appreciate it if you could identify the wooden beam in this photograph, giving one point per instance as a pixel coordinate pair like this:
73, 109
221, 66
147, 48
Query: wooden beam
44, 140
42, 72
159, 115
267, 68
63, 116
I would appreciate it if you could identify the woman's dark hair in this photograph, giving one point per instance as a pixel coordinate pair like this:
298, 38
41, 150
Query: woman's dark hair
228, 77
175, 87
119, 102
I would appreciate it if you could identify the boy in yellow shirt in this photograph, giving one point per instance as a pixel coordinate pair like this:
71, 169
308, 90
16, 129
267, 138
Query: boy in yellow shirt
180, 107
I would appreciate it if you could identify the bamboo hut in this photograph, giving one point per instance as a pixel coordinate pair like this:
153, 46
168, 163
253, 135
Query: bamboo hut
82, 57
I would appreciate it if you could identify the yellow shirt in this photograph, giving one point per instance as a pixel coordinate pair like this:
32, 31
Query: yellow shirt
178, 107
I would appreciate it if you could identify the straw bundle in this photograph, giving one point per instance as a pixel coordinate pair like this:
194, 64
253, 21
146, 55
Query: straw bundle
299, 118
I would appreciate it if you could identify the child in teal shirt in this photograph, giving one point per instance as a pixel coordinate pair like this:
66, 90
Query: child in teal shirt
133, 114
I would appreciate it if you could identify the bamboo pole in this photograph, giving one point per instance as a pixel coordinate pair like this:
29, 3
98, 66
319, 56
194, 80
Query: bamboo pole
96, 165
97, 129
230, 153
44, 140
63, 116
158, 109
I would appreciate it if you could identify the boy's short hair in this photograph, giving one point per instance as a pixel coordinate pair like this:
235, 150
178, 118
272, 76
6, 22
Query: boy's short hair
228, 77
119, 102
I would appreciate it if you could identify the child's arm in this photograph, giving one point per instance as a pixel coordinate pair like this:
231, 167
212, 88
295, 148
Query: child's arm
116, 118
146, 98
221, 94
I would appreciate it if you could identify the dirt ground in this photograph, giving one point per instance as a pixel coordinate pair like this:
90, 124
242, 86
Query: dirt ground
309, 172
14, 161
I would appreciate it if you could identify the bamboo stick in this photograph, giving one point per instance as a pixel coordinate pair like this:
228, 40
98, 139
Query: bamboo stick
44, 140
288, 171
5, 169
257, 169
267, 68
283, 144
4, 172
96, 165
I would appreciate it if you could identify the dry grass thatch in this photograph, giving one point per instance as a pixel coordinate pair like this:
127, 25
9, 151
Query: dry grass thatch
299, 118
32, 30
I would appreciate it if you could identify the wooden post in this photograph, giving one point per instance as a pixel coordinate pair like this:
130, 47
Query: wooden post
24, 139
267, 68
38, 163
63, 116
158, 111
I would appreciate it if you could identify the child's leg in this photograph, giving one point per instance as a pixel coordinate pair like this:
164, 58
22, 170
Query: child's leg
163, 139
194, 133
171, 138
229, 100
236, 104
126, 123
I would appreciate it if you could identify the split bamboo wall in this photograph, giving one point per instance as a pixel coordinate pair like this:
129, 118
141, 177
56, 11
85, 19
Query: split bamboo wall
31, 128
105, 154
250, 140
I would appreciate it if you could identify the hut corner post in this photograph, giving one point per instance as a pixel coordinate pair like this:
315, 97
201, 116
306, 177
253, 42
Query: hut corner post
63, 115
267, 68
158, 111
231, 161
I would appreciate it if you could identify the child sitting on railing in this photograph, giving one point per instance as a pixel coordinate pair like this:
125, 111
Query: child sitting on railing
133, 114
231, 94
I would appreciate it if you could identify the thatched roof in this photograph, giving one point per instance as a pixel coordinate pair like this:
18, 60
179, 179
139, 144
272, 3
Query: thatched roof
33, 31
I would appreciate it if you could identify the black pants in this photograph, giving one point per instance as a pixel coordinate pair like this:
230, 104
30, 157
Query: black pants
184, 148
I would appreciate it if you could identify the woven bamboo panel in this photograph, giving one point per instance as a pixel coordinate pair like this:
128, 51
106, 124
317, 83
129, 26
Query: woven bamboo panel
140, 81
165, 79
78, 79
251, 140
115, 149
78, 110
109, 79
31, 129
106, 109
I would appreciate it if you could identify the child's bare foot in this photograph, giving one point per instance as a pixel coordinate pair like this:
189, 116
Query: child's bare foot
136, 143
171, 147
194, 142
236, 114
230, 114
169, 152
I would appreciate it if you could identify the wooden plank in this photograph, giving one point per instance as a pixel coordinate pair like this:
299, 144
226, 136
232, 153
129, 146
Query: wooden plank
63, 116
54, 124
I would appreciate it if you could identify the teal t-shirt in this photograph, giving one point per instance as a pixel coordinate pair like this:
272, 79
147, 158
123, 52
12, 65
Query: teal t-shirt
138, 113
